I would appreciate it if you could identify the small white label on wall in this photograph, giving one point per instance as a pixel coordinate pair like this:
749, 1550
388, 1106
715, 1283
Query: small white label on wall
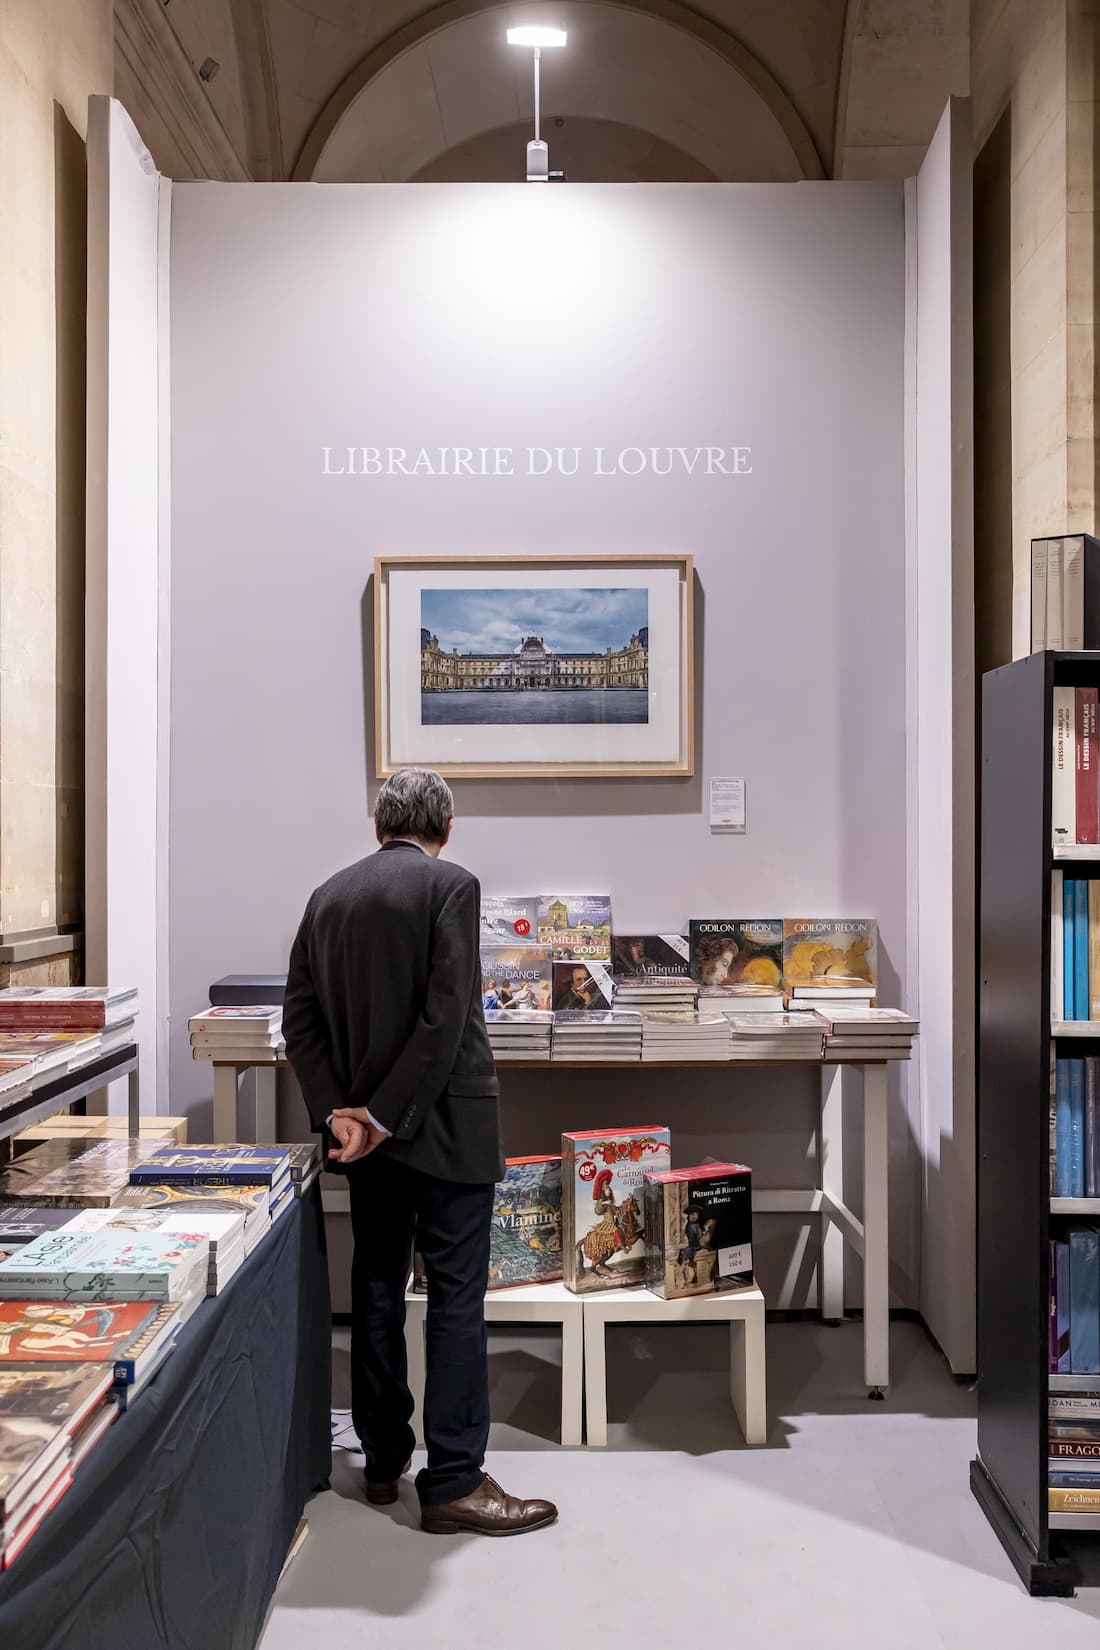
736, 1258
727, 804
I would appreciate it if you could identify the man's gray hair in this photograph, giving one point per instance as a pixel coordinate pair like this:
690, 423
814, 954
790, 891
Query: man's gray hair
415, 802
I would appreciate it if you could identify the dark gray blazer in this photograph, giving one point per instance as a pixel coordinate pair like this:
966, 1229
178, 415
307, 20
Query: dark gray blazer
383, 1009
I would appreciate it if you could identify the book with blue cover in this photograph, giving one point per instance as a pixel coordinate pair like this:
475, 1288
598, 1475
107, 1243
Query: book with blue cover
1077, 1128
230, 1165
1080, 949
1059, 1309
1068, 951
1063, 1130
1084, 1300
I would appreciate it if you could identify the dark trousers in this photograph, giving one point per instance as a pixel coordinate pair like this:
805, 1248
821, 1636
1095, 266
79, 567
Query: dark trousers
391, 1207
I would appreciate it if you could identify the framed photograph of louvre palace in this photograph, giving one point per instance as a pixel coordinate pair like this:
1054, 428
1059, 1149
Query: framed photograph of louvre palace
525, 666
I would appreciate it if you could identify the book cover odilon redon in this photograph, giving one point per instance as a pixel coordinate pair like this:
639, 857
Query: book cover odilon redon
602, 1221
525, 1237
650, 957
516, 976
698, 1229
737, 954
824, 952
577, 927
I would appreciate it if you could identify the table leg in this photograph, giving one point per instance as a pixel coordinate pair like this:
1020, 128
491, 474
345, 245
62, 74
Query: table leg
572, 1377
595, 1381
266, 1122
748, 1377
133, 1104
831, 1161
225, 1102
876, 1236
416, 1354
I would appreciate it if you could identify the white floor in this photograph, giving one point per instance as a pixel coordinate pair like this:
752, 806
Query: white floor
853, 1530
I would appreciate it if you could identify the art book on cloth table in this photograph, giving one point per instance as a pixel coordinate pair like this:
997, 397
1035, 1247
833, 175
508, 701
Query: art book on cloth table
602, 1219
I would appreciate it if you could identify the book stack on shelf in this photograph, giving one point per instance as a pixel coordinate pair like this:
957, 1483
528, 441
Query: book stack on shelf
17, 1073
775, 1037
251, 1035
652, 971
684, 1034
50, 1418
855, 1032
1075, 793
61, 1028
745, 1000
305, 1164
614, 1034
514, 1035
222, 1165
1073, 1451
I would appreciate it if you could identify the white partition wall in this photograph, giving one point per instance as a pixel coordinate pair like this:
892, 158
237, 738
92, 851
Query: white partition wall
127, 361
941, 725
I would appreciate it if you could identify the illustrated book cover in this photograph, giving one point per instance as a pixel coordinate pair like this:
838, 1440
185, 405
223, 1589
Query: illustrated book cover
516, 977
214, 1165
525, 1238
577, 927
602, 1192
737, 954
828, 952
72, 1331
698, 1229
73, 1264
650, 958
505, 920
582, 986
63, 1393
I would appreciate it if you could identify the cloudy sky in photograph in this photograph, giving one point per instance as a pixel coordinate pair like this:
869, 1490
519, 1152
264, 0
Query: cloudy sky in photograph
569, 621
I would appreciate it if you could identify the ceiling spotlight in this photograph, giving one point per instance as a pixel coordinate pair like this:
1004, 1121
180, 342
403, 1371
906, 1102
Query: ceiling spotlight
536, 39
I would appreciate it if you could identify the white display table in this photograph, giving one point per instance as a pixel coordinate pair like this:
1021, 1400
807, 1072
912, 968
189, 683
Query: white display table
533, 1303
868, 1238
742, 1309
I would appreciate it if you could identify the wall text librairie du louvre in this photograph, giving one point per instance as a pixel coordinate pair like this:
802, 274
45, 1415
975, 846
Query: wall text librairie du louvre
536, 461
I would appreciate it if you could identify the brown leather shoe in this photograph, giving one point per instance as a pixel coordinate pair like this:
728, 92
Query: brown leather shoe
488, 1511
382, 1492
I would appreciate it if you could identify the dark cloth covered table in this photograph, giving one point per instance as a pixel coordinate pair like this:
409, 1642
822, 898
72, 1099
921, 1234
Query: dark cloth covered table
177, 1525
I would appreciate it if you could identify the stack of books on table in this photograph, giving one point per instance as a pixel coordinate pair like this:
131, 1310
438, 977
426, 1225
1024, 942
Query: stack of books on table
516, 1034
738, 1000
775, 1037
129, 1340
115, 1265
227, 1165
822, 996
597, 1035
684, 1034
1073, 1451
191, 1202
17, 1074
50, 1417
305, 1163
855, 1032
66, 1008
637, 995
50, 1054
222, 1228
239, 1036
71, 1174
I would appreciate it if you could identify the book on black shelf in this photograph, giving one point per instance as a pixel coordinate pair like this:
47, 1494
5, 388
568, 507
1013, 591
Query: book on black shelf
525, 1238
737, 954
507, 920
1084, 1300
698, 1225
516, 978
576, 927
1065, 593
53, 1052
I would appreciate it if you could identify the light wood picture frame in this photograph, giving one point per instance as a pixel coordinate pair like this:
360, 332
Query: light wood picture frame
570, 666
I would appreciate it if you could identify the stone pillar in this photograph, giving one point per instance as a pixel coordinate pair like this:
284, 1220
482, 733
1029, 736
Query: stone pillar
53, 55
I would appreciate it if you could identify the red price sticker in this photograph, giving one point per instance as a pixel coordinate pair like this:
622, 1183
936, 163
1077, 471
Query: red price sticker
522, 926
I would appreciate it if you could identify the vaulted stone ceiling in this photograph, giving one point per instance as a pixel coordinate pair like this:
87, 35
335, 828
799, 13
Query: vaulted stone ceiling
397, 90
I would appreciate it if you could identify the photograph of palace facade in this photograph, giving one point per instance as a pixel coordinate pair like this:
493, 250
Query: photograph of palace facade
533, 666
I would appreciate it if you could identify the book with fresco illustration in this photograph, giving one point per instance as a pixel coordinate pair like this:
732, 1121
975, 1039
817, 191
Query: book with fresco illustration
603, 1231
518, 977
830, 953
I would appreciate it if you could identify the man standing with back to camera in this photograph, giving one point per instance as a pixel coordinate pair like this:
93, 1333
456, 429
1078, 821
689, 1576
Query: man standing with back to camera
385, 1031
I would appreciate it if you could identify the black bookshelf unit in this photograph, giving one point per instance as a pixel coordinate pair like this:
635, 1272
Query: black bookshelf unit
1016, 1213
